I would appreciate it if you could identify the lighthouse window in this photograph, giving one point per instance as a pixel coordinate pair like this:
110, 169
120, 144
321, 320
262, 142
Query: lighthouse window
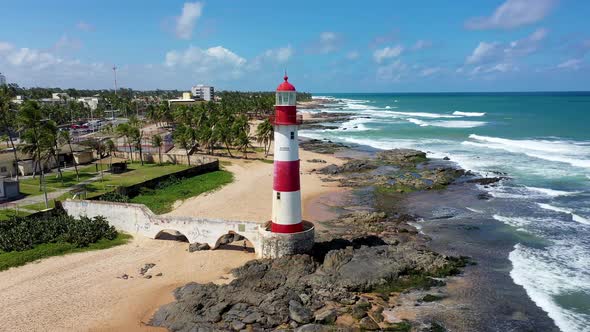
292, 135
278, 195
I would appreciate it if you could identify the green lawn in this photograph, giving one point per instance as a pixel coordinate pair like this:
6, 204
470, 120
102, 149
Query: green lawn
18, 258
6, 214
31, 186
136, 173
161, 200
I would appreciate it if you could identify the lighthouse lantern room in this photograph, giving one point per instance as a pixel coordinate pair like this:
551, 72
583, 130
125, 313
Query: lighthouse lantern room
286, 207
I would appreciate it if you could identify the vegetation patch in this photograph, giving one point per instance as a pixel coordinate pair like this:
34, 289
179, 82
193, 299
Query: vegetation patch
18, 258
431, 298
399, 327
25, 239
161, 199
423, 280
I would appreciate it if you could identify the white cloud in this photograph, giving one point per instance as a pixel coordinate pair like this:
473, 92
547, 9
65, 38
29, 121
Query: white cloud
429, 71
386, 53
571, 64
512, 14
185, 23
218, 61
34, 58
327, 42
5, 47
484, 52
67, 43
392, 72
85, 26
280, 55
421, 44
487, 52
352, 55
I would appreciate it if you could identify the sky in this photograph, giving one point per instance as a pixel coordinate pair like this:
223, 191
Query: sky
325, 46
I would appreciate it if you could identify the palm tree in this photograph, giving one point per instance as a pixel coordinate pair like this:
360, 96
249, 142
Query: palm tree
184, 136
136, 137
265, 135
124, 130
37, 143
157, 142
110, 148
6, 116
65, 138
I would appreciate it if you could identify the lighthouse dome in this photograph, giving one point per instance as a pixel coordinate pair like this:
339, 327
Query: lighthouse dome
286, 86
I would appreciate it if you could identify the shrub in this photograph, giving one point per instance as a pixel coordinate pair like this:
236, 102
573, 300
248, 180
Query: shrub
114, 196
23, 233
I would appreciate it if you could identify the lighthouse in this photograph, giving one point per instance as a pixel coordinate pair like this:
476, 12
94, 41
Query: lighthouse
286, 196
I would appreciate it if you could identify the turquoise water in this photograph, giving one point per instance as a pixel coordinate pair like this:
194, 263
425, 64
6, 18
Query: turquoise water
541, 141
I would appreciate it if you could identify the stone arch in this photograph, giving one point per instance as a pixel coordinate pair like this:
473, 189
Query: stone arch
234, 241
171, 235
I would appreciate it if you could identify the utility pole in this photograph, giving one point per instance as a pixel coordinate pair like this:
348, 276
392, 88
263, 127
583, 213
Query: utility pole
115, 72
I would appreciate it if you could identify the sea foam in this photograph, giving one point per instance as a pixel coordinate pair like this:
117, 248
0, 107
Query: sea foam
448, 124
575, 217
558, 151
468, 113
545, 274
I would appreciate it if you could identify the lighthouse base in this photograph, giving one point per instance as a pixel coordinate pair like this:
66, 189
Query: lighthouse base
275, 245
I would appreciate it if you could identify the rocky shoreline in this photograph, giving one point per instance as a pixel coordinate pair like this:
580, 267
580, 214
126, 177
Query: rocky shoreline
369, 270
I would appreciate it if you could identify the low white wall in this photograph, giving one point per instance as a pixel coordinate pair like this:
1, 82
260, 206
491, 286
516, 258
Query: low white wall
138, 219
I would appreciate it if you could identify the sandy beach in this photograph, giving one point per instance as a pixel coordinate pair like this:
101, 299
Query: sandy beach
249, 196
84, 292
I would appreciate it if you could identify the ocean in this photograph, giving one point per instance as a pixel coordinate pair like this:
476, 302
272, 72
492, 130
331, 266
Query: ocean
541, 141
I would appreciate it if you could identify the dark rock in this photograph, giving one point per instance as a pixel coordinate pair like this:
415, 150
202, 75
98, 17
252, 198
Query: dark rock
352, 166
368, 324
321, 328
319, 161
299, 313
159, 274
325, 316
146, 268
402, 157
484, 196
236, 325
148, 276
446, 158
487, 181
124, 276
198, 247
253, 318
359, 311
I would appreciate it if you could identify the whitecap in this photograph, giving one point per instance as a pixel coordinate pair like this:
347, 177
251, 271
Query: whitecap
474, 210
575, 217
515, 222
448, 124
572, 153
552, 192
545, 274
468, 113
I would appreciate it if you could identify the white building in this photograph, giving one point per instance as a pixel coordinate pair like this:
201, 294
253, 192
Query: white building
203, 92
2, 79
90, 102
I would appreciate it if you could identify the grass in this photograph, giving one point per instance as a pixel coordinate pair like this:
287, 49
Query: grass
30, 186
136, 173
18, 258
10, 213
161, 200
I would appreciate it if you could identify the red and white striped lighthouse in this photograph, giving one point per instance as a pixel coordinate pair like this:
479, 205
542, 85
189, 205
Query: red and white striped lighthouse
286, 200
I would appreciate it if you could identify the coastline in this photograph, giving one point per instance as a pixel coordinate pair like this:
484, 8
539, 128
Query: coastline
324, 199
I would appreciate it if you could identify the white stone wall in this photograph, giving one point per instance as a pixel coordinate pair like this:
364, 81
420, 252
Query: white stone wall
138, 219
